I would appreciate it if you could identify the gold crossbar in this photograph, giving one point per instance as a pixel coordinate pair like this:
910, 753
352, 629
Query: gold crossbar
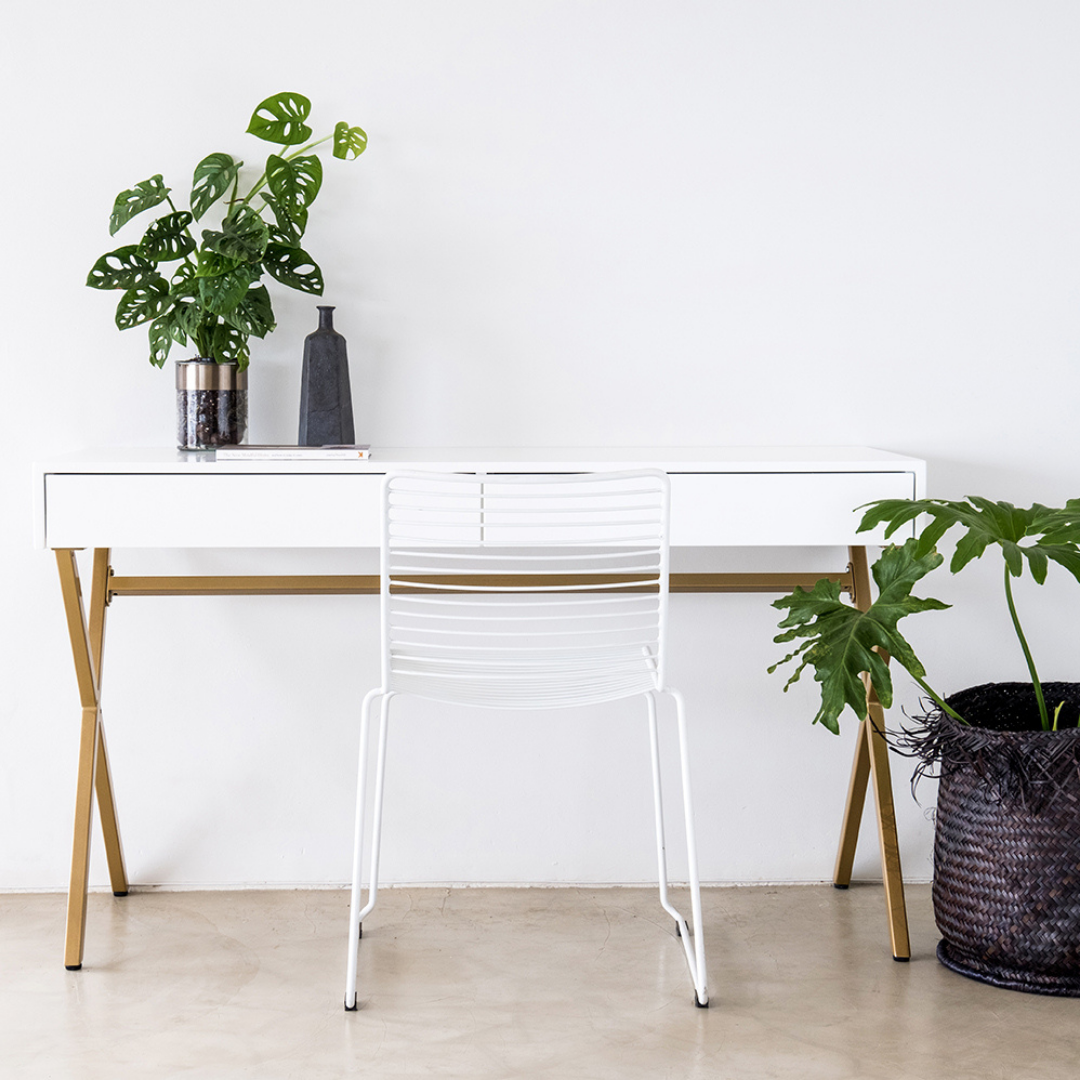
367, 584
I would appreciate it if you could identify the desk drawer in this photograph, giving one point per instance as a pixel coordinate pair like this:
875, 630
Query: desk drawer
779, 509
276, 510
253, 511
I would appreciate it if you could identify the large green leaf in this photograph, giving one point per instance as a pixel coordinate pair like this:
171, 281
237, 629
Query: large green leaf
228, 343
143, 302
161, 341
211, 264
294, 267
1040, 535
254, 314
280, 119
295, 184
182, 317
183, 277
167, 238
243, 236
285, 230
142, 196
840, 642
222, 294
349, 142
211, 180
119, 269
186, 302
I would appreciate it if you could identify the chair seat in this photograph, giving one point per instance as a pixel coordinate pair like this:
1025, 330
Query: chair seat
532, 682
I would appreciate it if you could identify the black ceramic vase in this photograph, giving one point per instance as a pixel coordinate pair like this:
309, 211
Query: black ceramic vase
326, 414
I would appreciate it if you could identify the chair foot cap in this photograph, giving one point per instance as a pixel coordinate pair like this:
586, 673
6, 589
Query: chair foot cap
837, 885
73, 967
902, 959
124, 893
700, 1004
350, 1008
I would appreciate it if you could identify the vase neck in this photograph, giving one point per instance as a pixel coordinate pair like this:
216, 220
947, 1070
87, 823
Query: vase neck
326, 318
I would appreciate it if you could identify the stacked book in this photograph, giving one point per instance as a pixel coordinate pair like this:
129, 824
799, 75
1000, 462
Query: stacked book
293, 453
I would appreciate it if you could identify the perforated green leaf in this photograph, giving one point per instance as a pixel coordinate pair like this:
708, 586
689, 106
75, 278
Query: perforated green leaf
143, 302
222, 294
167, 238
119, 269
161, 341
295, 184
280, 119
254, 314
243, 236
142, 196
212, 178
182, 276
180, 320
285, 230
294, 267
211, 264
349, 142
839, 640
228, 343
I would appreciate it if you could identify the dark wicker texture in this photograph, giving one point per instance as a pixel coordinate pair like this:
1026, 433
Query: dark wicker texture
1007, 847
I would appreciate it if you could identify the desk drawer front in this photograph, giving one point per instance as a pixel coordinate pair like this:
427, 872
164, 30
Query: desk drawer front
778, 509
339, 511
265, 510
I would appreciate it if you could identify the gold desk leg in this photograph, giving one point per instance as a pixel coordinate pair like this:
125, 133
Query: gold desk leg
849, 832
114, 852
881, 778
872, 764
87, 656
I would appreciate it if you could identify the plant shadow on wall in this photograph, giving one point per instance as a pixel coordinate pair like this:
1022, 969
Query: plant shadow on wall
209, 291
1007, 835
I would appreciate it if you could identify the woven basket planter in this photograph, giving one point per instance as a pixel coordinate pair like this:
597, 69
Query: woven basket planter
1007, 845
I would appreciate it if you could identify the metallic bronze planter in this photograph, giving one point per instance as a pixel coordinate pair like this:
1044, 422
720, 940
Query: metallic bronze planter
211, 404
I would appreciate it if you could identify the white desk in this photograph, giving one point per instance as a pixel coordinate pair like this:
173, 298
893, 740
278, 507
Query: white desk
721, 497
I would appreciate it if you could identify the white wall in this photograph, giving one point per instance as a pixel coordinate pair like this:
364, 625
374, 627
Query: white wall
595, 222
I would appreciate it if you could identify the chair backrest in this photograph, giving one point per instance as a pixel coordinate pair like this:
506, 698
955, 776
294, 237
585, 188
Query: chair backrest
524, 591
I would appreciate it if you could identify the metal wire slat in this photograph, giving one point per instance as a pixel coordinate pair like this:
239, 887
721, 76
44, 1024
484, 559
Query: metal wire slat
494, 556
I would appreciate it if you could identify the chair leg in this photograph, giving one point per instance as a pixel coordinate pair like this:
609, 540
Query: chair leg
356, 913
701, 992
658, 812
693, 943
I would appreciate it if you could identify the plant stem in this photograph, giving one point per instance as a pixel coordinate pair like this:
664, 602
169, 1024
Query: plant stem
258, 184
262, 179
1044, 716
939, 701
203, 336
309, 146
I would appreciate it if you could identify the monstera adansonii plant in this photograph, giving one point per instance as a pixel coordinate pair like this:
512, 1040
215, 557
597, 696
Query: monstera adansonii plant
208, 289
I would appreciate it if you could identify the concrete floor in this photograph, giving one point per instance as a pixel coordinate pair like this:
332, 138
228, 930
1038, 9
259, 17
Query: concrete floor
506, 983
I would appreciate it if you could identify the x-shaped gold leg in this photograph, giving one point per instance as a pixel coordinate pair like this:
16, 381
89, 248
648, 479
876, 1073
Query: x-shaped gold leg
87, 643
872, 763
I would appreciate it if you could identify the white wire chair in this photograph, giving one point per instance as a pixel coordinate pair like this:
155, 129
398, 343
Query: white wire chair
524, 592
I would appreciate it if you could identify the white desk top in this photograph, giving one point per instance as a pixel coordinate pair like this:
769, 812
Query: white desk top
679, 459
